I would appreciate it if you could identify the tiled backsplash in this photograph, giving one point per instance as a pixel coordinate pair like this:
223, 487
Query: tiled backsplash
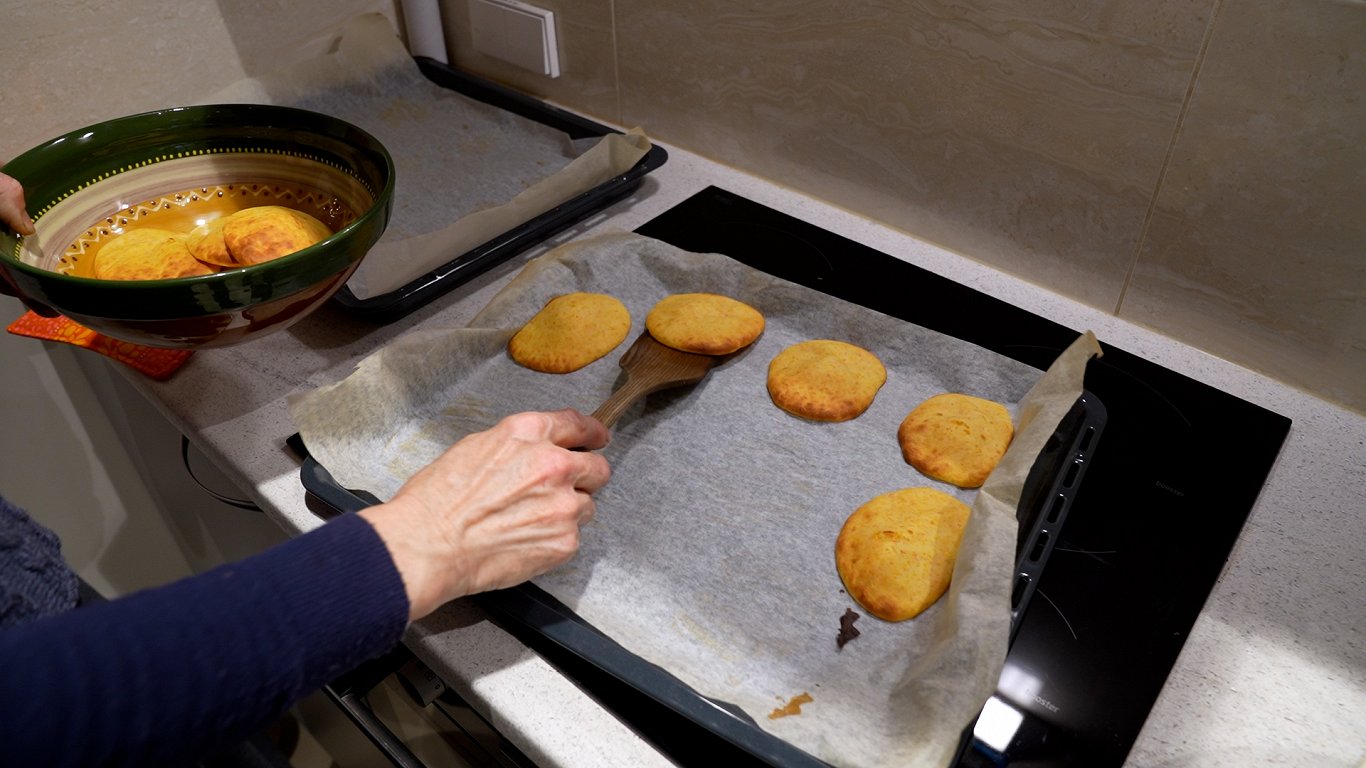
1198, 167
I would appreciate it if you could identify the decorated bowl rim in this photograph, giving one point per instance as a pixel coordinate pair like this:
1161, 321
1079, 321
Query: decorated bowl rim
262, 118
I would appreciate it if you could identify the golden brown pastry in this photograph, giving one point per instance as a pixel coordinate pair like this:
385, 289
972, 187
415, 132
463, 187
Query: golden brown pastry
956, 438
266, 232
206, 244
825, 380
570, 332
896, 553
146, 254
704, 323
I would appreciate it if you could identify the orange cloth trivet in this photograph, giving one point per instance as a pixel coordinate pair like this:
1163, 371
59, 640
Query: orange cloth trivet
155, 362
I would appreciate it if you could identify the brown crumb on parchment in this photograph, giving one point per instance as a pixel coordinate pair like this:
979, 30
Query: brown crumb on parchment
847, 629
792, 707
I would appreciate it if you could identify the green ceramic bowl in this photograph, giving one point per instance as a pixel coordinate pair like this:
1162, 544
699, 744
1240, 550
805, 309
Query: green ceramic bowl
156, 167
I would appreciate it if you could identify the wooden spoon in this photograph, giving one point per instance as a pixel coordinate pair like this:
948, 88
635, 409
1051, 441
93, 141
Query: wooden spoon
650, 366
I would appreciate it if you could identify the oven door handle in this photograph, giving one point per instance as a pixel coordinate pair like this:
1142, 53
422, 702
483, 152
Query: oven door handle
393, 749
348, 692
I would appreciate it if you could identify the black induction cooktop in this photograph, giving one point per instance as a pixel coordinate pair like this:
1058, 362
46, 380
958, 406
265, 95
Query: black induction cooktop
1147, 533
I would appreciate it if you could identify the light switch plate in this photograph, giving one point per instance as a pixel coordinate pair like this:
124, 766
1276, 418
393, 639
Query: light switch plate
517, 33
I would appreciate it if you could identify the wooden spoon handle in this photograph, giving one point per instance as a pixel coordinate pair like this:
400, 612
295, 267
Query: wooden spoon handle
615, 405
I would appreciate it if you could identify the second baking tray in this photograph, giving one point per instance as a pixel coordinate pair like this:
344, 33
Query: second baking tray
462, 267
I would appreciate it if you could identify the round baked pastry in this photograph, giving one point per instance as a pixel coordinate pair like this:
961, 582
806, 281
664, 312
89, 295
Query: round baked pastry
956, 438
825, 380
146, 254
206, 244
260, 234
570, 332
704, 323
895, 554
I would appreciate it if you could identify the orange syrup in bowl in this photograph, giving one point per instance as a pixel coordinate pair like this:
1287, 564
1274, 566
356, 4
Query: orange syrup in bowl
184, 210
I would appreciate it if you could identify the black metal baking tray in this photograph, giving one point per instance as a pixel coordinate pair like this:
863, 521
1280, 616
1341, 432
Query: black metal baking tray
687, 726
1049, 488
395, 304
696, 724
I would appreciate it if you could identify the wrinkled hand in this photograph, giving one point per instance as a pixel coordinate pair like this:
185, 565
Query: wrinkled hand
497, 508
14, 215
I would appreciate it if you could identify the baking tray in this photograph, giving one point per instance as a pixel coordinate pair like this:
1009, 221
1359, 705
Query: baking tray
631, 686
599, 664
395, 304
691, 728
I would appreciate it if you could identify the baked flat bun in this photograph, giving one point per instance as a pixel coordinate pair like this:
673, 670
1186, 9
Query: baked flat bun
266, 232
704, 323
895, 553
956, 438
825, 380
147, 254
206, 244
570, 332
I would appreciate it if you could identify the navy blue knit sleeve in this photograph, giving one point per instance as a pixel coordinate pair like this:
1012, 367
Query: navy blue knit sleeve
177, 671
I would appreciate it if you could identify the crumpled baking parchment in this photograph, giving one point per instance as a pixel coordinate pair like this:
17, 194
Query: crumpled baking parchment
466, 171
712, 551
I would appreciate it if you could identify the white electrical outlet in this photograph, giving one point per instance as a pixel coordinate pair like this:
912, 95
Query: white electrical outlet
517, 33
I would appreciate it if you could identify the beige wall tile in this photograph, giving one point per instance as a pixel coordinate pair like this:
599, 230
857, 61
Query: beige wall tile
587, 81
1257, 249
1025, 135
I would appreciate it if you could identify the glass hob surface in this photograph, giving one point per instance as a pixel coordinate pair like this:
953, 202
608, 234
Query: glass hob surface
1162, 502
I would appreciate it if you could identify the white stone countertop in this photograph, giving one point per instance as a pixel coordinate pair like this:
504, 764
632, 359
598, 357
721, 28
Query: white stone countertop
1273, 673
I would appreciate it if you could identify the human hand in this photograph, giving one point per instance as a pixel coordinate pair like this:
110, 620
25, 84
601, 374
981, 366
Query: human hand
14, 214
497, 508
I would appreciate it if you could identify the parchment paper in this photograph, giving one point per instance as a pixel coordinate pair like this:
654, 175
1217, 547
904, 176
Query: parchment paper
711, 554
466, 171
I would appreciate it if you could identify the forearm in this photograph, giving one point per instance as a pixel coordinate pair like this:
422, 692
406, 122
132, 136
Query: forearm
172, 671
